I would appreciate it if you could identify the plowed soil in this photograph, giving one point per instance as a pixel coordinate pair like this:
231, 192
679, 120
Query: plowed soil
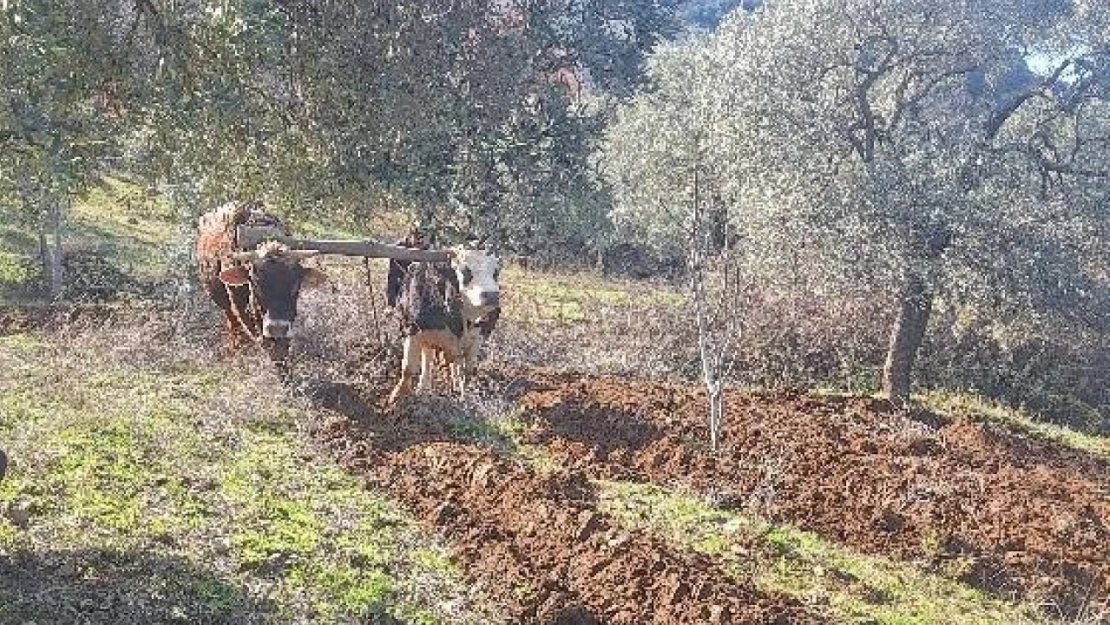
1008, 513
536, 543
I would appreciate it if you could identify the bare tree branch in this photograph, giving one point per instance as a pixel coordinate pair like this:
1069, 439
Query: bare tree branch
999, 117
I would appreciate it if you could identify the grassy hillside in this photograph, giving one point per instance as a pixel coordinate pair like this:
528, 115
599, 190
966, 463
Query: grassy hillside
154, 481
119, 239
158, 487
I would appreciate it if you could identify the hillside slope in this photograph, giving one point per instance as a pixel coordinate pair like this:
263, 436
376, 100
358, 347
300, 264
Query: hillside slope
164, 482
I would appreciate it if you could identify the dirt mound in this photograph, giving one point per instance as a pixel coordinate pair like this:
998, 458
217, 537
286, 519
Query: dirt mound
537, 542
1005, 512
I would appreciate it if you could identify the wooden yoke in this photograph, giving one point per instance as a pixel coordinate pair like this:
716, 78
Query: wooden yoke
248, 237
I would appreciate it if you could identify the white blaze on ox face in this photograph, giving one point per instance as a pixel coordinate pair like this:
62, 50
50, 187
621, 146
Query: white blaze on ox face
478, 272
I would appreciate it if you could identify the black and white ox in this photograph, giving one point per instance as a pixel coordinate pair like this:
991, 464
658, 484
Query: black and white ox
446, 308
256, 289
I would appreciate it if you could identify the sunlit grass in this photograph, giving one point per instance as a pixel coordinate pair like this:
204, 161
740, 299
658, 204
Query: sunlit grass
507, 434
130, 228
150, 468
847, 586
978, 407
541, 297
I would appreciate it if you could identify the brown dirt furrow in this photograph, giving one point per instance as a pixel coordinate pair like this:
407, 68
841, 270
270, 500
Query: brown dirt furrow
1008, 513
536, 542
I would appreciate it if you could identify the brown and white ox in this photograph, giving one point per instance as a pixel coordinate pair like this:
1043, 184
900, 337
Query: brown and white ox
449, 309
256, 289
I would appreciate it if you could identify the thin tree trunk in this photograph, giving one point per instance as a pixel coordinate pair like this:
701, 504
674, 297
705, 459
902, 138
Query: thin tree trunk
56, 256
44, 256
711, 362
716, 412
708, 349
915, 305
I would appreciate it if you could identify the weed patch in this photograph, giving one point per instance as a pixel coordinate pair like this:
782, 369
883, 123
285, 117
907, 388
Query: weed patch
984, 409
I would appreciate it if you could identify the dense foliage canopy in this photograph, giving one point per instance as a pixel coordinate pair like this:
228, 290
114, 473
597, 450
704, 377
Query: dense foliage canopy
891, 146
476, 115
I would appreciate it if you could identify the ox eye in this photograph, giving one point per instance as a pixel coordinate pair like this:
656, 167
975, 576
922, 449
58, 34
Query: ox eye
467, 275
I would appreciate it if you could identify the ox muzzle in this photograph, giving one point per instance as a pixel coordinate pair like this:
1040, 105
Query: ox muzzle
276, 328
490, 298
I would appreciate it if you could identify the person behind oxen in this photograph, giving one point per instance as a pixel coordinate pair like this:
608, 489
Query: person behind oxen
3, 464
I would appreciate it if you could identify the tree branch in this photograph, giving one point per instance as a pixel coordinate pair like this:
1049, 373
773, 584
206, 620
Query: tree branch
925, 91
1070, 169
1001, 116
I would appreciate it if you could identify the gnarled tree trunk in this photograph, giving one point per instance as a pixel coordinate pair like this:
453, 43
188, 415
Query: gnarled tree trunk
915, 303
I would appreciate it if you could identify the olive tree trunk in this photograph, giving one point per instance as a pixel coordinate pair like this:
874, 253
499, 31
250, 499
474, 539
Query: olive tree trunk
57, 277
914, 305
44, 256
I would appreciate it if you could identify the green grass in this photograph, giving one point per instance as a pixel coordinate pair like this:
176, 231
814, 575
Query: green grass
505, 434
338, 541
180, 492
18, 266
133, 232
984, 409
846, 586
538, 298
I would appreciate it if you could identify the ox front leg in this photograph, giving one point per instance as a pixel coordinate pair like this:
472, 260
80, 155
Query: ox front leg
427, 369
465, 365
458, 377
410, 366
233, 334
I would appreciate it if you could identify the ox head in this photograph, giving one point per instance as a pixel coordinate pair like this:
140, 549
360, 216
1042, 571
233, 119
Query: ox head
478, 271
275, 276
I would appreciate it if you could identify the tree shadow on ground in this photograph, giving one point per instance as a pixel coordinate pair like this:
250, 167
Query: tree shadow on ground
104, 586
575, 615
415, 420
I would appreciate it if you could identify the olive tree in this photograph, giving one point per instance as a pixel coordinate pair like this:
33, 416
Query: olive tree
63, 95
666, 183
904, 145
482, 115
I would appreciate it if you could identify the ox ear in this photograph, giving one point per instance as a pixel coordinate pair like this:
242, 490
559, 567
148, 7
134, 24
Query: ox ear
313, 278
236, 276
